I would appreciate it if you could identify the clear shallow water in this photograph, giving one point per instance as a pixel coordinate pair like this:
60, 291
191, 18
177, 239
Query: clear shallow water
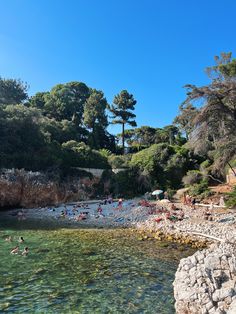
85, 271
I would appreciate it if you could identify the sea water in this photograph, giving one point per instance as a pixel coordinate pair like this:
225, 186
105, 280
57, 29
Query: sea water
85, 271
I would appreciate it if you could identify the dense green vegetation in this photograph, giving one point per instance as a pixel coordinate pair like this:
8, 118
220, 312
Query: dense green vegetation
66, 127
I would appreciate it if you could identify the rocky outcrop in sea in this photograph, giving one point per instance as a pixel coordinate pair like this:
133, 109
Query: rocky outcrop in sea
206, 281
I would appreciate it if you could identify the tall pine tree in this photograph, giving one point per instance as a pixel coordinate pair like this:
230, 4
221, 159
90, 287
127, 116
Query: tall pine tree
121, 108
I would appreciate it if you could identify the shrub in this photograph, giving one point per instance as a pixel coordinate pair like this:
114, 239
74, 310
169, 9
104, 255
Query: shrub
80, 155
200, 188
119, 161
192, 177
231, 202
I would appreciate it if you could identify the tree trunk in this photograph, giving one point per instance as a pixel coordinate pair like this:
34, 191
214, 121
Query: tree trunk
123, 138
231, 168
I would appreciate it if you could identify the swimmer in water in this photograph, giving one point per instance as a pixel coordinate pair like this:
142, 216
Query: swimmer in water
8, 239
21, 240
15, 250
25, 251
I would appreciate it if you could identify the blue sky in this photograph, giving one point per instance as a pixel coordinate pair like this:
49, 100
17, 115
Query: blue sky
152, 48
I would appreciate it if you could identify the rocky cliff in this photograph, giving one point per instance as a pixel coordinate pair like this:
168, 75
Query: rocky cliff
206, 281
19, 188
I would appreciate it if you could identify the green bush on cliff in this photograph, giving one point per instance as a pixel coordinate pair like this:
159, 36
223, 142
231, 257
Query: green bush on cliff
120, 161
80, 155
231, 202
200, 189
165, 164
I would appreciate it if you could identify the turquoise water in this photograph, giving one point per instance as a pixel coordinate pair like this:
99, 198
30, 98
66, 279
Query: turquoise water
85, 271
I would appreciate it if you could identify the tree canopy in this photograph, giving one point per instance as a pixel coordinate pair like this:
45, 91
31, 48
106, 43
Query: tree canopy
12, 91
215, 123
121, 109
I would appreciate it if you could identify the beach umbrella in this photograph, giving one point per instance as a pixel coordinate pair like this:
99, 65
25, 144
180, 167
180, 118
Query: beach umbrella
157, 192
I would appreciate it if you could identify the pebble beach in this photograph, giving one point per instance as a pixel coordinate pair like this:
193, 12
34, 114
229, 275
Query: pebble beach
155, 217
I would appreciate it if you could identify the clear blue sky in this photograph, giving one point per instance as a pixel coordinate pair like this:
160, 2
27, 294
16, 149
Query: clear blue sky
152, 48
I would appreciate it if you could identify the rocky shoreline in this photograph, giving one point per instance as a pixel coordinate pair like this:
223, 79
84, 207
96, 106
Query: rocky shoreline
206, 281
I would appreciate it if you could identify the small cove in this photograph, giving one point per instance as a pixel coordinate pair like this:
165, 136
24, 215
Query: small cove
85, 270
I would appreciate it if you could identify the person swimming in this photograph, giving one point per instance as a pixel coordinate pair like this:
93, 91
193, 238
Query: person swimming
9, 239
21, 240
25, 251
15, 250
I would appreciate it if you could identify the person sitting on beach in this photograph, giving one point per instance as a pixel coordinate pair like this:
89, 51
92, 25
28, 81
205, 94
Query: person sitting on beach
99, 209
82, 216
21, 240
207, 215
25, 251
15, 250
110, 199
181, 215
65, 211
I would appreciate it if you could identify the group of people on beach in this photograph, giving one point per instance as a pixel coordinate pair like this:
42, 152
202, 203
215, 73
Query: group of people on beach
109, 201
65, 212
16, 249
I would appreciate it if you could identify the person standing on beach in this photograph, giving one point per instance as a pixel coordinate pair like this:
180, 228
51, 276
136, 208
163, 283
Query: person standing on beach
222, 201
119, 205
184, 199
193, 202
166, 196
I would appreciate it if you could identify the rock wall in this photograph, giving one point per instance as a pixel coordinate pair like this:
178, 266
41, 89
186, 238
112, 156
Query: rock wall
19, 188
206, 281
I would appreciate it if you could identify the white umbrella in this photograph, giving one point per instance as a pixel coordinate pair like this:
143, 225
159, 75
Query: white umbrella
157, 192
